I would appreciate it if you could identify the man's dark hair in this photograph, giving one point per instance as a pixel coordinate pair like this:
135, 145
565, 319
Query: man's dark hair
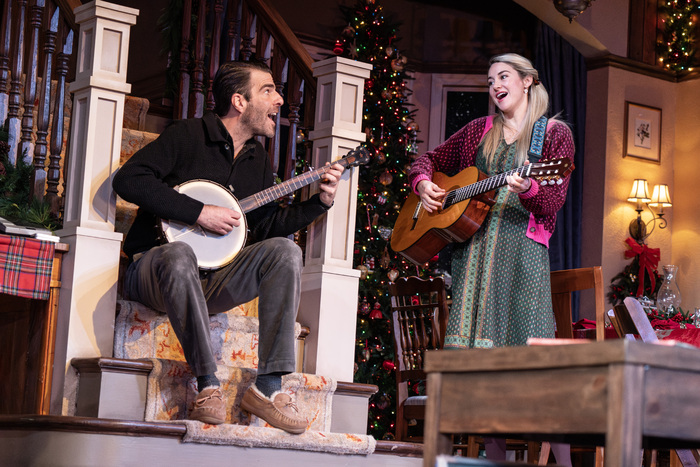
234, 78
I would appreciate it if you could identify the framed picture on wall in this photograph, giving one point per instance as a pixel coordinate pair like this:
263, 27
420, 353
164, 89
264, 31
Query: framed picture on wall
642, 132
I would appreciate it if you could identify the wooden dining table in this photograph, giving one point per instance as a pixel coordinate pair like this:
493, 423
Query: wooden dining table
622, 394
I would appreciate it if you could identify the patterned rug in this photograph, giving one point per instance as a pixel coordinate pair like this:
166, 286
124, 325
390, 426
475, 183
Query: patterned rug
171, 393
264, 437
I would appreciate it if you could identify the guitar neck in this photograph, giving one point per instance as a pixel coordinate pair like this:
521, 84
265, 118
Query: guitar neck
281, 189
482, 186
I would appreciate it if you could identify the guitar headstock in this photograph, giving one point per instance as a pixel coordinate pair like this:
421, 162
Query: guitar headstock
356, 157
550, 172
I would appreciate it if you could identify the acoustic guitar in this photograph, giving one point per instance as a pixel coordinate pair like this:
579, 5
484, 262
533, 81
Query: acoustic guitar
419, 235
214, 251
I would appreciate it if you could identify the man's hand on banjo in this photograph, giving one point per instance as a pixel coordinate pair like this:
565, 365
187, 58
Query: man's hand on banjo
219, 219
329, 184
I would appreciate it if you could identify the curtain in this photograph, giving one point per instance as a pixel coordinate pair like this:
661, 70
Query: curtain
563, 72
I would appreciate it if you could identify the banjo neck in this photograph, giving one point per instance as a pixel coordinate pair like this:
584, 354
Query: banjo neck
269, 195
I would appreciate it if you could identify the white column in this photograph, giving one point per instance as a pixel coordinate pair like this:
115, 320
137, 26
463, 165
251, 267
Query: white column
329, 282
87, 303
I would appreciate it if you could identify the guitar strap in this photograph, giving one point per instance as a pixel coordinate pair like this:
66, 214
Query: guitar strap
537, 140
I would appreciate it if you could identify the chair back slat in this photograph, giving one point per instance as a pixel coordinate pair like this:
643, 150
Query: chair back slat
419, 314
567, 281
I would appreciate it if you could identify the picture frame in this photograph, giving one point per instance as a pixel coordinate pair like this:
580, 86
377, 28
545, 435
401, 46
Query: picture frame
642, 132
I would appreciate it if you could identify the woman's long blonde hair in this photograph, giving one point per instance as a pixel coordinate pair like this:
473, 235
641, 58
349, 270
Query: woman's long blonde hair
537, 105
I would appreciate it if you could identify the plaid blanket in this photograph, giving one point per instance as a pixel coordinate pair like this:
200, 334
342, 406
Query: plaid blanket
25, 267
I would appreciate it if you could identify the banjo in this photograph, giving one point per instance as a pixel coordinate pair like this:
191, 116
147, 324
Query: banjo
214, 251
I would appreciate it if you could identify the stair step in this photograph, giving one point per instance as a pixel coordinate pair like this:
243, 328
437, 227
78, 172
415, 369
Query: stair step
69, 441
116, 388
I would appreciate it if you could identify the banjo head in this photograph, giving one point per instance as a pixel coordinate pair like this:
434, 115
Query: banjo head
213, 251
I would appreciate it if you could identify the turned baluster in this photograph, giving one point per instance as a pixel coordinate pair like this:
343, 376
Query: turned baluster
263, 44
294, 92
278, 67
26, 146
54, 172
214, 53
247, 32
233, 22
15, 81
184, 72
197, 97
38, 185
5, 32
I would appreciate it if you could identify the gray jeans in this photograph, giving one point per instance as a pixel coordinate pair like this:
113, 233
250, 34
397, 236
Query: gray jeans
166, 278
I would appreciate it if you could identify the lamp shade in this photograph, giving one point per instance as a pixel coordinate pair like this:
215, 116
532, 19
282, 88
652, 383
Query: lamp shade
661, 197
640, 191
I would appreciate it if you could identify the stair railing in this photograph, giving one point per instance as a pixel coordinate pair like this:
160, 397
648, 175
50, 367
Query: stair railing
36, 43
239, 30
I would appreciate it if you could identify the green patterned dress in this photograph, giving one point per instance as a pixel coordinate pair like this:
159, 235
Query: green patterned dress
501, 283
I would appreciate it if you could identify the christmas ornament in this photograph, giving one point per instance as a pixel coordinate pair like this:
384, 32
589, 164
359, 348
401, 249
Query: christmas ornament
383, 402
370, 266
376, 311
412, 126
366, 353
348, 32
389, 50
386, 178
300, 136
375, 219
386, 94
388, 365
393, 274
364, 307
385, 259
381, 199
363, 271
380, 157
385, 232
338, 48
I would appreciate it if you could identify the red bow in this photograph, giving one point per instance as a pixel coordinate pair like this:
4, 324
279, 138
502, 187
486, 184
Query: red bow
648, 261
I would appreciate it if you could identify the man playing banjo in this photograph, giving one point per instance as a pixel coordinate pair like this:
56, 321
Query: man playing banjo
220, 147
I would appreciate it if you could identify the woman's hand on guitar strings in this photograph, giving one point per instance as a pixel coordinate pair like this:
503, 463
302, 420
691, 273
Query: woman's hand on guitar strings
329, 183
517, 184
431, 195
219, 219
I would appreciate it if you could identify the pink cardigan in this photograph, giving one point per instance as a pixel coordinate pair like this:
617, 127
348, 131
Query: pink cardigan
459, 152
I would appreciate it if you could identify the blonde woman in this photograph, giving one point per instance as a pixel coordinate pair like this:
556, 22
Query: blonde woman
501, 283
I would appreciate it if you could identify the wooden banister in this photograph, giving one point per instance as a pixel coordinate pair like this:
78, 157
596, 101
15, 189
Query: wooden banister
67, 7
285, 40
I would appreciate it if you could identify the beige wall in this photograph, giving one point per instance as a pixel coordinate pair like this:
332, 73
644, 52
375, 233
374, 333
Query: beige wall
608, 175
685, 228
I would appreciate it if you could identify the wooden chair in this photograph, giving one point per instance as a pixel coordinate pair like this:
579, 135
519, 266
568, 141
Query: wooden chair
630, 320
565, 282
419, 312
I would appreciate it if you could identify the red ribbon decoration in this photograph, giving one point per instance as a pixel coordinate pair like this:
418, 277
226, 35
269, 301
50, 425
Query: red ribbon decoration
648, 261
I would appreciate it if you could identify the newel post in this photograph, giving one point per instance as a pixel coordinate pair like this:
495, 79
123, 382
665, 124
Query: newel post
88, 297
329, 282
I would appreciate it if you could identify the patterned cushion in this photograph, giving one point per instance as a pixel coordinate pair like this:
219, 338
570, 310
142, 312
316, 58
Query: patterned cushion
141, 332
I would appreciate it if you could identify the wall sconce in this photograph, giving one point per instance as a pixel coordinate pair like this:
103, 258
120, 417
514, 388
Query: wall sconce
640, 195
571, 8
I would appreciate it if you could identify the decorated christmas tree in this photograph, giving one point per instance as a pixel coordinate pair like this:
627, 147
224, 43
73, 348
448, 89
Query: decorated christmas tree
676, 49
391, 138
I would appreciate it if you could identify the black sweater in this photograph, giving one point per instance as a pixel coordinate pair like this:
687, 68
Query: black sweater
201, 149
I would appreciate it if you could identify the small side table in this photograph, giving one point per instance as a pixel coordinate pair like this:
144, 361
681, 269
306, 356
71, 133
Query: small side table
27, 346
